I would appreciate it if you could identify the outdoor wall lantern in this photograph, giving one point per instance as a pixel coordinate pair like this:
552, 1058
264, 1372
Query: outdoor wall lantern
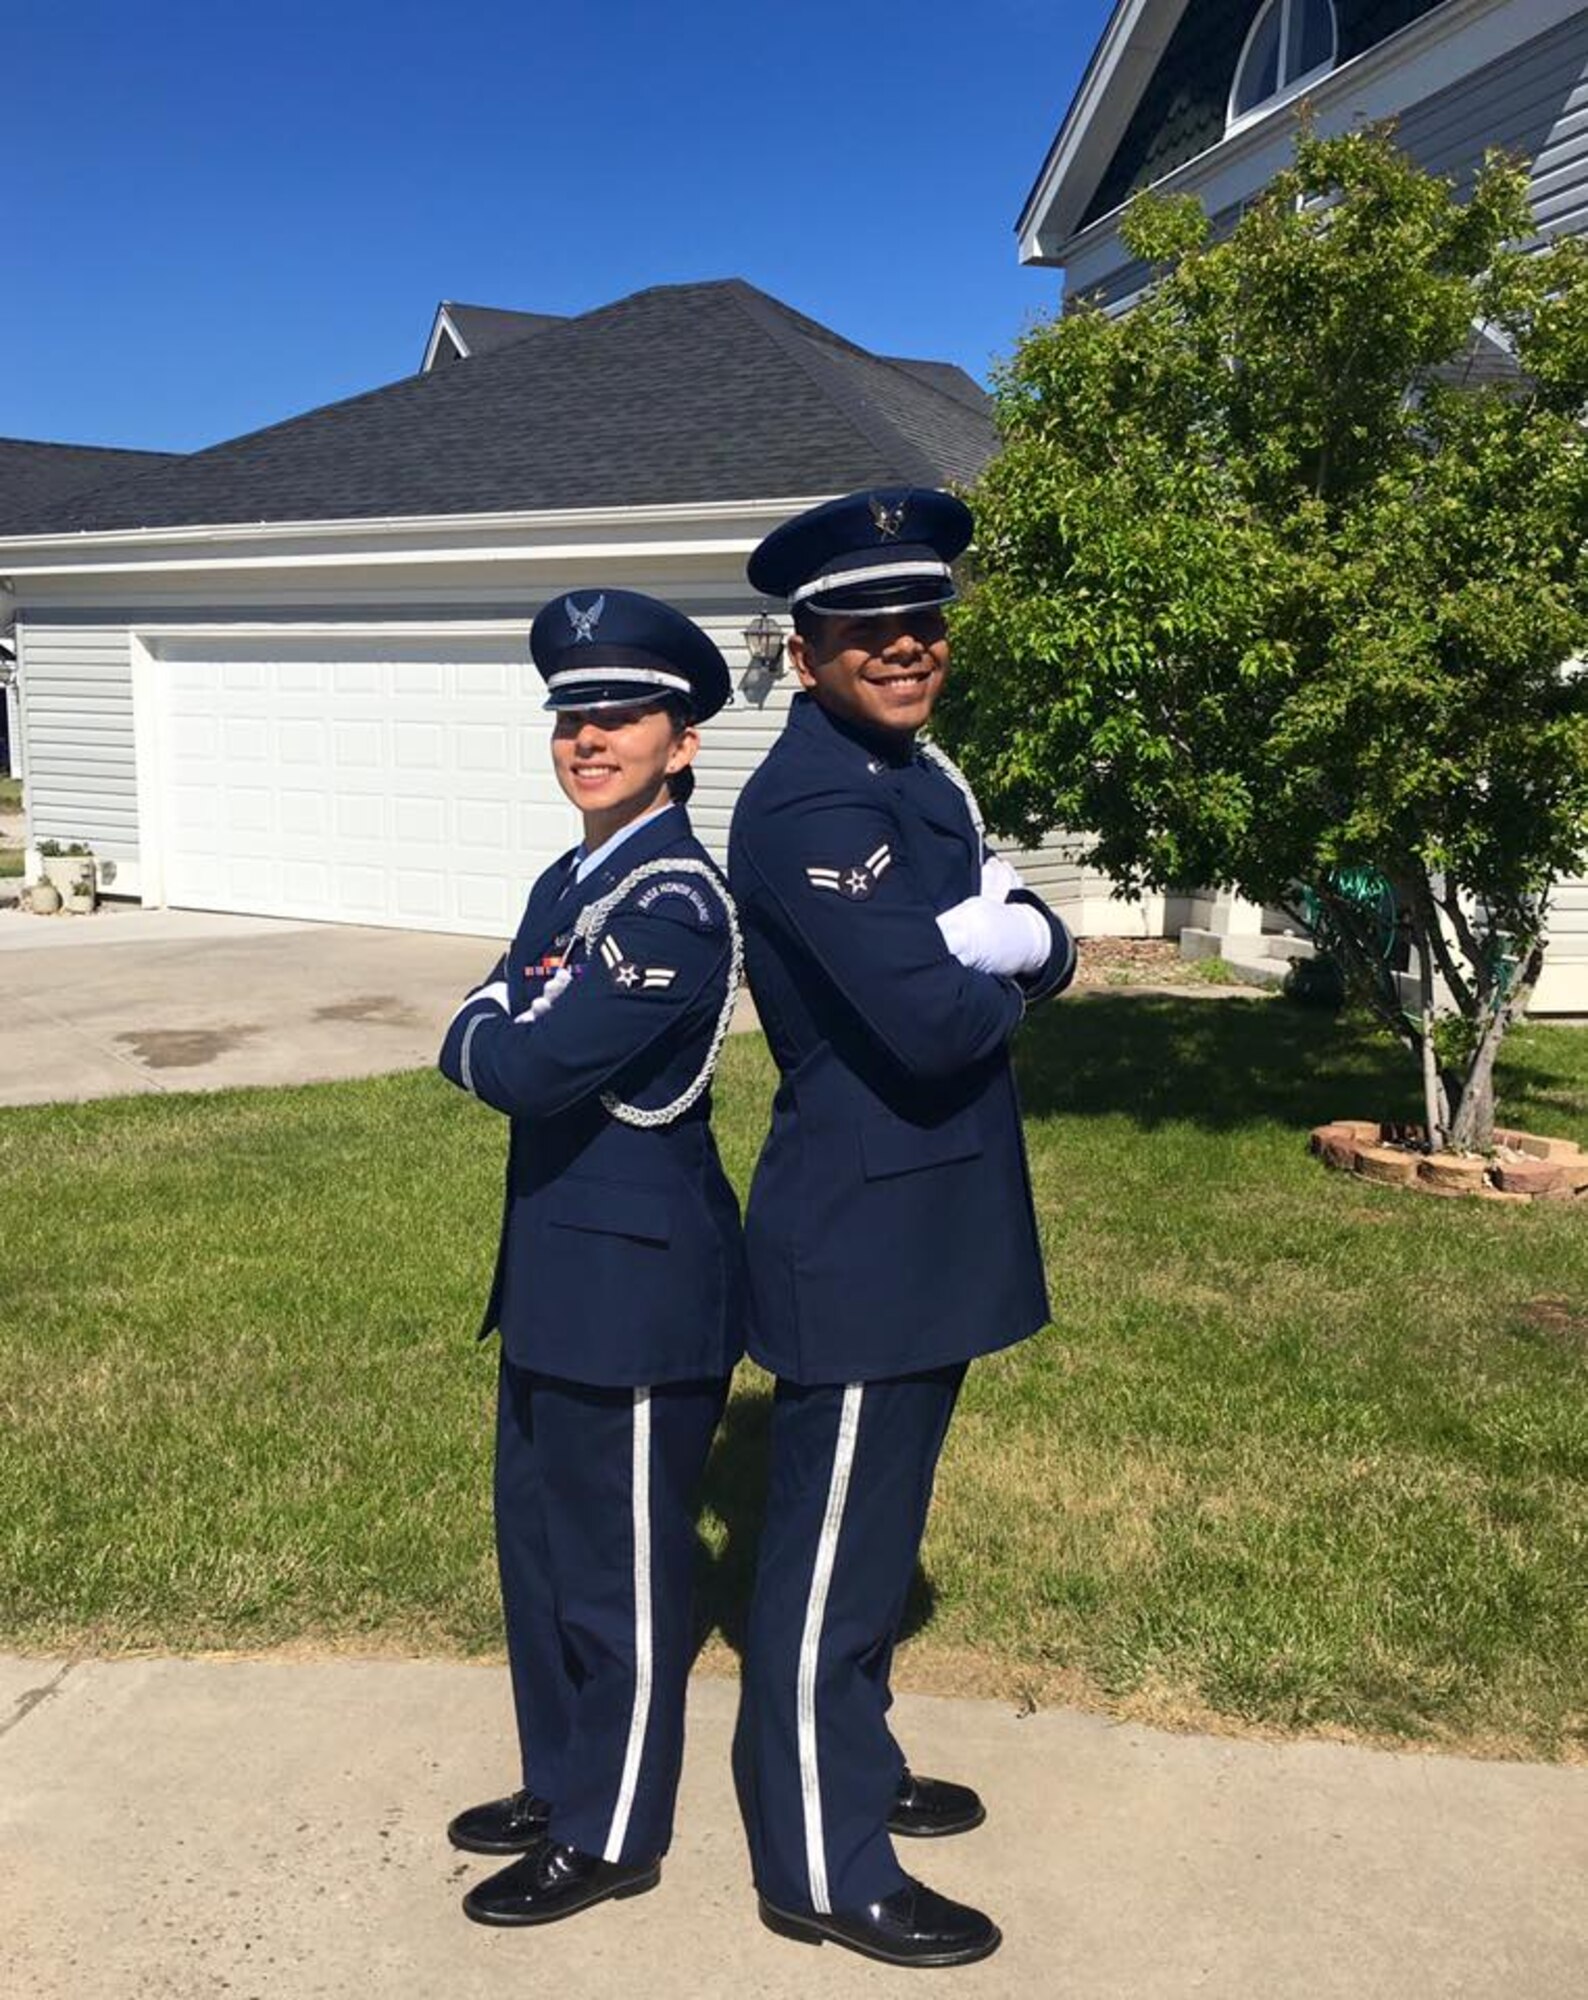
763, 642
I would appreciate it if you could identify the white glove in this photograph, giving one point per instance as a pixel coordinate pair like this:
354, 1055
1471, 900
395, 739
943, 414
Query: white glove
548, 996
496, 993
1007, 938
998, 880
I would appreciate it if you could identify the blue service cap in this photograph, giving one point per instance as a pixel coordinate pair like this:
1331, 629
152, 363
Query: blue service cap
597, 648
885, 550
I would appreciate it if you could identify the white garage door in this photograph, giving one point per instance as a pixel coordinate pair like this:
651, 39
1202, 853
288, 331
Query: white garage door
370, 782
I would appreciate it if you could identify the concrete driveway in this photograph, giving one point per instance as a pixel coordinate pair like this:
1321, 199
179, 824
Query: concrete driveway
134, 1000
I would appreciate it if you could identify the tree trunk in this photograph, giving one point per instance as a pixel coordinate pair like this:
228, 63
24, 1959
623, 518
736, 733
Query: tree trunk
1435, 1115
1473, 1128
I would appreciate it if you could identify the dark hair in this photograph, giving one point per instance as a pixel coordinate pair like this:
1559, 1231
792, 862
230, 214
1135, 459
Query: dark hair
807, 622
680, 784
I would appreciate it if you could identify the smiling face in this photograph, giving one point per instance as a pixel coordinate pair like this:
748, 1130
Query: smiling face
614, 763
883, 673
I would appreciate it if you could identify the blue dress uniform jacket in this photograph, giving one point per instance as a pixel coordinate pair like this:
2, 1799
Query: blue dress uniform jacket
890, 1227
621, 1258
619, 1292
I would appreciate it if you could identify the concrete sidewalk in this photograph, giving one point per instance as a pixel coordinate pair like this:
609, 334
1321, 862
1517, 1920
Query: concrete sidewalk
273, 1831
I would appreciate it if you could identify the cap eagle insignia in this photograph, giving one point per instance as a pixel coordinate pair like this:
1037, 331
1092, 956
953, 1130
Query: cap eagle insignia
889, 521
584, 622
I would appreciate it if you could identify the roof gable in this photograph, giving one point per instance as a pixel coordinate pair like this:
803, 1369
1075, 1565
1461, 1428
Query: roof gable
459, 331
1155, 95
682, 393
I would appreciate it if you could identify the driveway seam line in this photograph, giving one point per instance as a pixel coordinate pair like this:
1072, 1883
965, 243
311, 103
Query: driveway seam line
82, 1034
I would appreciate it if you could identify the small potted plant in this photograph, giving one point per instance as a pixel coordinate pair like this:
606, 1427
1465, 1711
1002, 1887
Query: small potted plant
80, 896
44, 899
64, 864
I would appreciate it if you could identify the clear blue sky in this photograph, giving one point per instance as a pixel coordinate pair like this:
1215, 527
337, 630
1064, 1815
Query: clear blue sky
222, 214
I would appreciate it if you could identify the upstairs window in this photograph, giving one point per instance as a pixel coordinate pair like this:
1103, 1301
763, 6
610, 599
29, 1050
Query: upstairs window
1291, 43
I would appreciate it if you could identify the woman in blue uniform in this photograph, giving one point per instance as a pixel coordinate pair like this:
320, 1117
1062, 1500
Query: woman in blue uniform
619, 1287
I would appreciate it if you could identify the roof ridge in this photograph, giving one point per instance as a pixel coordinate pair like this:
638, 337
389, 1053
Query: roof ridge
877, 429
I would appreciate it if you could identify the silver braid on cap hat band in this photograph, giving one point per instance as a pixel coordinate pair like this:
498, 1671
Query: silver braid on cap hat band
592, 921
955, 776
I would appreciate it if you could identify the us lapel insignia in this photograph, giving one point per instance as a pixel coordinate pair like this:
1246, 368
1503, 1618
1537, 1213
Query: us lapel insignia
857, 882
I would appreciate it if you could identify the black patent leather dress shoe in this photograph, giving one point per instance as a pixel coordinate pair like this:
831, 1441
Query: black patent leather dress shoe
927, 1808
552, 1881
501, 1826
913, 1926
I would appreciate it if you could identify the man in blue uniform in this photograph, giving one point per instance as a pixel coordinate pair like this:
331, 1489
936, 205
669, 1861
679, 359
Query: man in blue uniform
890, 1229
619, 1287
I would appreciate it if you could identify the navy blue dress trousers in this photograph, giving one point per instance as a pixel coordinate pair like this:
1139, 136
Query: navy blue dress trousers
892, 1238
620, 1296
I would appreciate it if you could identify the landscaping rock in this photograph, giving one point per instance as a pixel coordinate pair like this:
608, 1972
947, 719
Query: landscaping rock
1453, 1173
1387, 1165
1544, 1149
1532, 1177
1530, 1167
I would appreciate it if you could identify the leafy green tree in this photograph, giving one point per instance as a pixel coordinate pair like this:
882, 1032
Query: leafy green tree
1272, 592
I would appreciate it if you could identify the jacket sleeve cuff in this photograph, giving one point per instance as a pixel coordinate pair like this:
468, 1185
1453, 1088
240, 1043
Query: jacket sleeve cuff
1059, 969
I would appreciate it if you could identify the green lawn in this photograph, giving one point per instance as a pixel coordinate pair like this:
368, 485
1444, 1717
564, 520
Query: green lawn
10, 860
10, 795
1298, 1452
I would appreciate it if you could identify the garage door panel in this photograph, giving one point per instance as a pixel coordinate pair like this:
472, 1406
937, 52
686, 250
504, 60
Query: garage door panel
359, 744
483, 679
482, 746
422, 822
414, 791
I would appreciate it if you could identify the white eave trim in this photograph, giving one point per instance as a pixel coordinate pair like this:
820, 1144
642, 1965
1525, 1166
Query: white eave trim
549, 534
1122, 66
445, 324
1258, 131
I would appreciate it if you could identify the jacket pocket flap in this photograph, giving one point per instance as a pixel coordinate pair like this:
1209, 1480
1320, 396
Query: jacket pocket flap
896, 1147
608, 1209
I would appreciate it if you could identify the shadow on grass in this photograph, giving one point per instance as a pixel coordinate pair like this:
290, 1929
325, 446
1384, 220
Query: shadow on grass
735, 1491
1219, 1064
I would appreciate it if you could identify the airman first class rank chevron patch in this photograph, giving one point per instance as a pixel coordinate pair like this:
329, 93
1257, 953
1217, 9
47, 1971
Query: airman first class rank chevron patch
632, 977
856, 882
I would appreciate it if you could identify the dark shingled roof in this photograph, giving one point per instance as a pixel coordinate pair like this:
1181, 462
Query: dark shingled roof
485, 328
35, 478
682, 393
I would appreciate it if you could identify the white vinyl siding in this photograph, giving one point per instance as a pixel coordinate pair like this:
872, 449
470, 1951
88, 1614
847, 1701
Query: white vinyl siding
735, 740
79, 765
1564, 986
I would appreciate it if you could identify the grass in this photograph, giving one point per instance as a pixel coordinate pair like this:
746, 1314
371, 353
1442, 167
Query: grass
1298, 1453
11, 858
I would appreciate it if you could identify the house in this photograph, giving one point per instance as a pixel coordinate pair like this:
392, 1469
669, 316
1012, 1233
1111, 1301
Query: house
33, 477
1200, 97
288, 675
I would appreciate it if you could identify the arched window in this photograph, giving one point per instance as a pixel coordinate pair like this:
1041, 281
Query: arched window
1291, 42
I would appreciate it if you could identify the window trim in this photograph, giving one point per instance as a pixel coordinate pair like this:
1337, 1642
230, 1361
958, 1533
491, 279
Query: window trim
1237, 121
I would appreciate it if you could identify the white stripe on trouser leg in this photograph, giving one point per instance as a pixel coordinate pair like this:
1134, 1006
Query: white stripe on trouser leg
811, 1645
618, 1832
